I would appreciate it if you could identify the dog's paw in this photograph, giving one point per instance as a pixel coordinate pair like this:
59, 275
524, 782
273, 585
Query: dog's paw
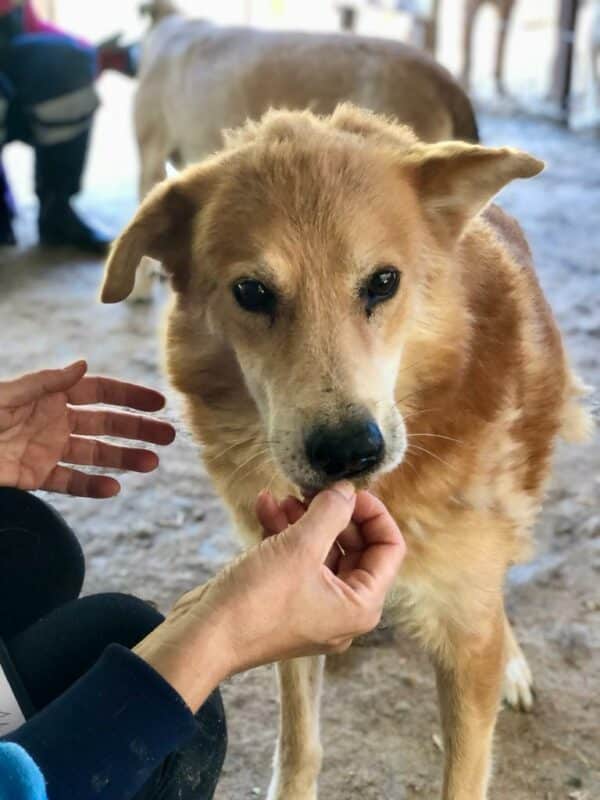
517, 690
145, 279
282, 790
276, 794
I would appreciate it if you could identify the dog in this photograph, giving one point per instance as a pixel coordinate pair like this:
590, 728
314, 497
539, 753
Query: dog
347, 304
505, 10
197, 78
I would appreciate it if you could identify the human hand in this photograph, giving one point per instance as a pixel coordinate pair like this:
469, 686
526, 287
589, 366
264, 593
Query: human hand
42, 430
295, 594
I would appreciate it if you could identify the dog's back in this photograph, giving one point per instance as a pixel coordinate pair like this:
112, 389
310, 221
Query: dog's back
198, 78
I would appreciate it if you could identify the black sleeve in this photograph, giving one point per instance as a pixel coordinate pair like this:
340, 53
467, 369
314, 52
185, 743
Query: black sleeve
102, 739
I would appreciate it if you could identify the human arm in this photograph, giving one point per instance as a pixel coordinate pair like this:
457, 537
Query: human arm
294, 594
318, 579
106, 734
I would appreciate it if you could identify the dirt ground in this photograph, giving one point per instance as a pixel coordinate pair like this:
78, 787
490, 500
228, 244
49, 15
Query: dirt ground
167, 532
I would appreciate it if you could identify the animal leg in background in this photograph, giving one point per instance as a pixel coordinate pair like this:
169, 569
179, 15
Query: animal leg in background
153, 151
471, 7
506, 10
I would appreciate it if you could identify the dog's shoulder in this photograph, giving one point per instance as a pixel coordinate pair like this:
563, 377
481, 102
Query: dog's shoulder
510, 234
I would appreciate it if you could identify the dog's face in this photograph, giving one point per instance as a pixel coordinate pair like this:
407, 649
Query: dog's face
309, 249
314, 302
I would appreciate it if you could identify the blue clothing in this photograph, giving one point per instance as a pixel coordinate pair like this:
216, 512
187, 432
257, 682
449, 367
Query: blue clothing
100, 740
20, 777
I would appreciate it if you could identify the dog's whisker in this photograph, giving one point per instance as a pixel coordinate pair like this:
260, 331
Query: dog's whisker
260, 453
408, 464
242, 443
272, 481
418, 411
254, 469
433, 455
239, 443
435, 436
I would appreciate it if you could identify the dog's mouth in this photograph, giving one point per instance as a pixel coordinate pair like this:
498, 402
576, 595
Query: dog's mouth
359, 481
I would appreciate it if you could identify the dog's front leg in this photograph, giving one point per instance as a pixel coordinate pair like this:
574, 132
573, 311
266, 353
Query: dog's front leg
469, 679
298, 754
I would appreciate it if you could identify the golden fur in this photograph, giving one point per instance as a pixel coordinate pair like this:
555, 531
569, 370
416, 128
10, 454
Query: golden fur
197, 78
464, 371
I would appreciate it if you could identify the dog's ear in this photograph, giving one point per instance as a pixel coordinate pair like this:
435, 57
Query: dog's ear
161, 229
455, 180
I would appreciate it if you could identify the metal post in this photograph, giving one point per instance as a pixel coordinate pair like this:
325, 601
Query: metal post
564, 58
348, 18
431, 28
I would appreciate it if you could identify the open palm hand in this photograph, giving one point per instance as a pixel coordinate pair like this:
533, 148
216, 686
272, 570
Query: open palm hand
47, 424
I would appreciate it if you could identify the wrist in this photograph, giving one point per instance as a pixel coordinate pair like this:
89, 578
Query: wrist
192, 658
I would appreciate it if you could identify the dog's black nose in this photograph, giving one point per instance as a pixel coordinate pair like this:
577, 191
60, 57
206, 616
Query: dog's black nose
345, 450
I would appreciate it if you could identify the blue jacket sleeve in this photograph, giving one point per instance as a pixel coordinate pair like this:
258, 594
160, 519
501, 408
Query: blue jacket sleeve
20, 777
102, 739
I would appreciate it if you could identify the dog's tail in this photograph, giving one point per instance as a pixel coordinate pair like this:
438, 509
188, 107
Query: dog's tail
578, 421
157, 10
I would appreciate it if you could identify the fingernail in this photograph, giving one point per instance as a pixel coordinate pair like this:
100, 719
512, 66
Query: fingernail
345, 488
76, 364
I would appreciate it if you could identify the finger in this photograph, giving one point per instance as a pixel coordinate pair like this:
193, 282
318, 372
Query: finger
374, 521
269, 514
80, 484
31, 387
332, 559
88, 422
326, 517
351, 538
384, 550
92, 452
293, 509
340, 647
97, 389
347, 564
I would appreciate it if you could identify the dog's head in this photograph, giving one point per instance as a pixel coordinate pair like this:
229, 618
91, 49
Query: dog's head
318, 253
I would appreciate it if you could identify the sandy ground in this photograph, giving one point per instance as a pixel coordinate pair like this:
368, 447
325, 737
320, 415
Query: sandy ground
167, 531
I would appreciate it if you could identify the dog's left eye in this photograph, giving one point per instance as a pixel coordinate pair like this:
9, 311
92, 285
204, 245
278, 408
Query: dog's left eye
382, 285
254, 296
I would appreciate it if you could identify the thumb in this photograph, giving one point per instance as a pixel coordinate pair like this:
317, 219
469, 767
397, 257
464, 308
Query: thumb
327, 516
35, 385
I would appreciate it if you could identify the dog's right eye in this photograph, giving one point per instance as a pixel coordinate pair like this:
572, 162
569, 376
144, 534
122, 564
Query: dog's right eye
254, 296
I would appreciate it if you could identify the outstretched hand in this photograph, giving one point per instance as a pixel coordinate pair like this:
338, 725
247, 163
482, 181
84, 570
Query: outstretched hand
43, 430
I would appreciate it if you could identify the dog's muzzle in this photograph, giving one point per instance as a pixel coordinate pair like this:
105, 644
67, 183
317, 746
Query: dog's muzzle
345, 451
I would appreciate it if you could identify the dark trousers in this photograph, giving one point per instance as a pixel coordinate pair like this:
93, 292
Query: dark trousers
52, 637
48, 96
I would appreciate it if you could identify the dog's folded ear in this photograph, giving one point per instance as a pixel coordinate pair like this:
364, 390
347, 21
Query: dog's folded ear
455, 180
161, 229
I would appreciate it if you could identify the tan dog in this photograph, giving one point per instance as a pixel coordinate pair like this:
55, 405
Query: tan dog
505, 10
346, 304
198, 78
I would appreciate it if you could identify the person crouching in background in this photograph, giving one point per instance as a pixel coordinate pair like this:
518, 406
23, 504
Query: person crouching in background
48, 100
